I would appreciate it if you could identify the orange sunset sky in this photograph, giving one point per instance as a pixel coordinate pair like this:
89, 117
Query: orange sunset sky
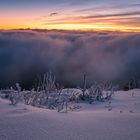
120, 15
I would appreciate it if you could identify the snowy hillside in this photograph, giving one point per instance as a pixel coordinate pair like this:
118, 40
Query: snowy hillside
117, 119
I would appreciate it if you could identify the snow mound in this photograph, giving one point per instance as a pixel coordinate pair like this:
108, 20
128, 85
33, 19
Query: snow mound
90, 122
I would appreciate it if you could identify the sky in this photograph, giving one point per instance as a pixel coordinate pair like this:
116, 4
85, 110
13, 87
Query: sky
122, 15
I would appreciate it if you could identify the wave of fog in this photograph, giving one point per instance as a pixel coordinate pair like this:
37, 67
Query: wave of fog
69, 55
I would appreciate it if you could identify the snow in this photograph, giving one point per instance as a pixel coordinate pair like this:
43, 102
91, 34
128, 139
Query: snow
89, 122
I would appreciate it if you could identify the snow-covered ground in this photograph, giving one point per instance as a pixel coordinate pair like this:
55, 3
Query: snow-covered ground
115, 120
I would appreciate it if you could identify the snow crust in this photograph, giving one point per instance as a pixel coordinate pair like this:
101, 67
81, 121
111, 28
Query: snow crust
88, 122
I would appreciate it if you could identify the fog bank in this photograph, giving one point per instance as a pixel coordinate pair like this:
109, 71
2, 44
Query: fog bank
109, 56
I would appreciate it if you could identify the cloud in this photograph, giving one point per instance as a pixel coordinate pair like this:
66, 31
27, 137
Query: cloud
53, 14
104, 16
129, 20
99, 8
110, 56
114, 15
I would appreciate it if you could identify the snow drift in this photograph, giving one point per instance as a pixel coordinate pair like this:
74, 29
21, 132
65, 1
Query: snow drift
90, 122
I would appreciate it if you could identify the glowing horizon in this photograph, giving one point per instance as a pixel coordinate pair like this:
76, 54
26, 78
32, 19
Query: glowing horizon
75, 15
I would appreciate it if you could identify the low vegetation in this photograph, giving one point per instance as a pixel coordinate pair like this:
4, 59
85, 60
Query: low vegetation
49, 94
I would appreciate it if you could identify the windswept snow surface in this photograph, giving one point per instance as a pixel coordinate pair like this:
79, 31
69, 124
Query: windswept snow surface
90, 122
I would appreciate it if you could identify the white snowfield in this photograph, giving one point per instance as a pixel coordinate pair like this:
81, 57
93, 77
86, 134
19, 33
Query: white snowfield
115, 120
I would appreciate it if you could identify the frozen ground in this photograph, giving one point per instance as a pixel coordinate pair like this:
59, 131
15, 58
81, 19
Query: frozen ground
91, 122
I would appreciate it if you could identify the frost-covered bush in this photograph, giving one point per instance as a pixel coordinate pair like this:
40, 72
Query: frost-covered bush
16, 95
100, 92
5, 93
49, 94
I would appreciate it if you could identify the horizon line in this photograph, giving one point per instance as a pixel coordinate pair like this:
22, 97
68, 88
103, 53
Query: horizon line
84, 29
